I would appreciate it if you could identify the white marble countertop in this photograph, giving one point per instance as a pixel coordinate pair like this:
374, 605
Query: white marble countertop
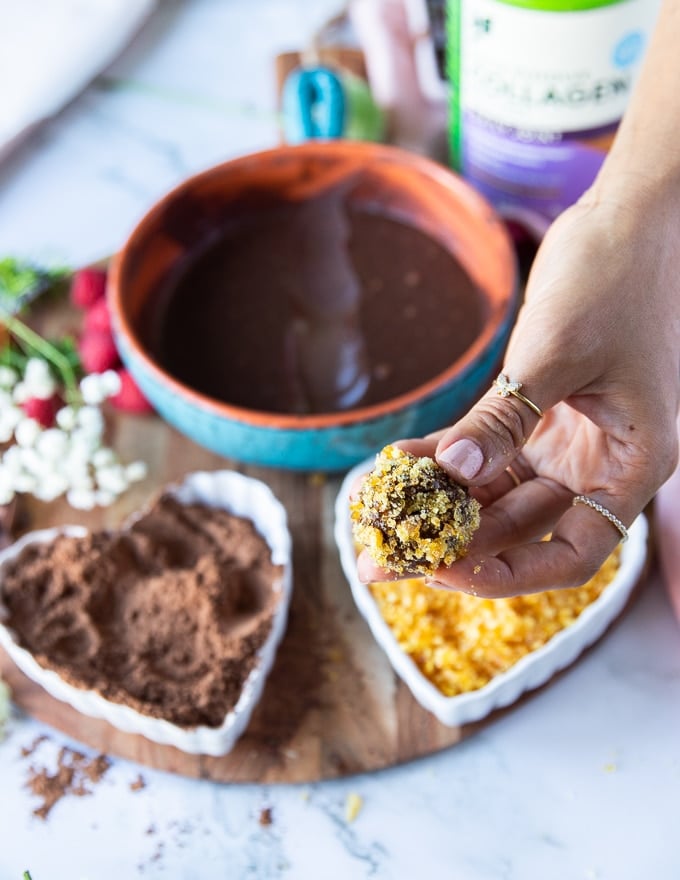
581, 781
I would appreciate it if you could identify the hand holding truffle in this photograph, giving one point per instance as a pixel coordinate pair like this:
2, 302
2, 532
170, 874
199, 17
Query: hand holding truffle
598, 362
583, 431
600, 359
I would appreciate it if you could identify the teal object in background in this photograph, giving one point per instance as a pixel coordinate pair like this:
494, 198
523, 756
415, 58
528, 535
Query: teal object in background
319, 103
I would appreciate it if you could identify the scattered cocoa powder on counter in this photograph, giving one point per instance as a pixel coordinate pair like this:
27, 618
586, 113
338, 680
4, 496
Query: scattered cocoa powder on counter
266, 817
138, 784
27, 751
95, 769
74, 770
166, 616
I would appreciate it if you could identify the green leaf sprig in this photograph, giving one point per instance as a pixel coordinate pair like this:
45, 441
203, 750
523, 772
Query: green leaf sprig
21, 282
61, 355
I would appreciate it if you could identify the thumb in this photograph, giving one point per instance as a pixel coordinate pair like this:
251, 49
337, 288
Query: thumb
479, 447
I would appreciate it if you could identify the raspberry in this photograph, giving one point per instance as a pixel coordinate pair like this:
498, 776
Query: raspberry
43, 410
98, 318
130, 399
98, 352
88, 286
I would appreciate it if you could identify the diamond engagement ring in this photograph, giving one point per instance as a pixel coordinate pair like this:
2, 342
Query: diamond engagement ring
607, 514
504, 388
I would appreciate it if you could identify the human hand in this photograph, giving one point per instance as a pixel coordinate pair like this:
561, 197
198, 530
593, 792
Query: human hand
597, 348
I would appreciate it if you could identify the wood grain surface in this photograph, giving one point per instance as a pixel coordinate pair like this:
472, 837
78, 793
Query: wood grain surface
332, 705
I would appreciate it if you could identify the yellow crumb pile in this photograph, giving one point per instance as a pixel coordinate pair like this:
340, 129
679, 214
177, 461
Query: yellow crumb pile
460, 642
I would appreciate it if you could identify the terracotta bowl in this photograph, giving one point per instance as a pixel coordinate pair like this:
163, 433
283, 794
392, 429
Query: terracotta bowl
398, 184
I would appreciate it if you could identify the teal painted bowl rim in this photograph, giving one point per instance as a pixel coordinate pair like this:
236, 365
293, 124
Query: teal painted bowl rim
461, 197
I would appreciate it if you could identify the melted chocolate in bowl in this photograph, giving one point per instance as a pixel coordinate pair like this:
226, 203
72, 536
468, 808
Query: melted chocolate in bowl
313, 307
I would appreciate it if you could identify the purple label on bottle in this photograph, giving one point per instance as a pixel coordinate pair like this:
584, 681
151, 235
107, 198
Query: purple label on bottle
527, 180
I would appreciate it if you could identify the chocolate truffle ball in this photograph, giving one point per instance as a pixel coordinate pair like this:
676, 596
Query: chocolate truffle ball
411, 516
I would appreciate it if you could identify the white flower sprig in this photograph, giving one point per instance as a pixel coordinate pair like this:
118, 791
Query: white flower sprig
68, 458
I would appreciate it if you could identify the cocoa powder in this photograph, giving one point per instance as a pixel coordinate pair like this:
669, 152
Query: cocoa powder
138, 784
74, 770
166, 616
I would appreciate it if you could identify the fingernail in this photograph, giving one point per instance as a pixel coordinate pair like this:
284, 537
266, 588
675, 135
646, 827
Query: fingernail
463, 456
437, 585
365, 570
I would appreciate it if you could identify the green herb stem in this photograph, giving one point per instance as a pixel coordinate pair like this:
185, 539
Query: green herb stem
46, 350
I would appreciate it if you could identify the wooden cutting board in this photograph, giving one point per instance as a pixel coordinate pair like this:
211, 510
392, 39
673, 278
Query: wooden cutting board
332, 705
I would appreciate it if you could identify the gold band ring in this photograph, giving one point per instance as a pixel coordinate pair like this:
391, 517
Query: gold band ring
504, 388
607, 514
512, 473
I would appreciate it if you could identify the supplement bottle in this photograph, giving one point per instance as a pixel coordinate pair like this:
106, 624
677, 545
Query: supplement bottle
538, 88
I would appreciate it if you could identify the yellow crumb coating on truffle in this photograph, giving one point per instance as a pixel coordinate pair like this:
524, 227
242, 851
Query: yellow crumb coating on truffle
411, 516
460, 642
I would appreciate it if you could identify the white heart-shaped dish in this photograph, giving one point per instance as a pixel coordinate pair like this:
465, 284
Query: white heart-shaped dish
242, 496
532, 670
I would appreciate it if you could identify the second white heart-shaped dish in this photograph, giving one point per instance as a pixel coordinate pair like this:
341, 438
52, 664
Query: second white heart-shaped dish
530, 671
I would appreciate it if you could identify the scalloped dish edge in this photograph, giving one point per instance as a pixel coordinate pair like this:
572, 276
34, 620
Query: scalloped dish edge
243, 496
528, 673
